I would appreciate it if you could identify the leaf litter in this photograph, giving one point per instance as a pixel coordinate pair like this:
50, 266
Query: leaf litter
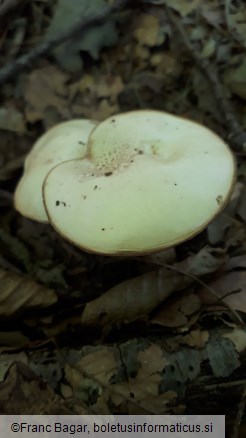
127, 335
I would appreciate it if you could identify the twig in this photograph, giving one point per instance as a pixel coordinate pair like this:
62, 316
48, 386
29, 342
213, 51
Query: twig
43, 48
236, 134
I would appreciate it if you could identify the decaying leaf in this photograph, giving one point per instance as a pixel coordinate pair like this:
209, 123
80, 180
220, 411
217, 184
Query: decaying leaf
12, 120
23, 392
206, 261
238, 337
229, 288
218, 227
236, 20
196, 338
235, 78
92, 40
184, 7
176, 313
133, 298
19, 293
148, 31
45, 88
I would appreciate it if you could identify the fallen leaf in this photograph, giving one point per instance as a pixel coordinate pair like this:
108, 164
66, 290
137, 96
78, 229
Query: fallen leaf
94, 38
206, 261
238, 337
19, 293
236, 19
235, 78
132, 298
23, 392
147, 31
12, 120
109, 86
230, 288
184, 7
196, 338
45, 88
177, 312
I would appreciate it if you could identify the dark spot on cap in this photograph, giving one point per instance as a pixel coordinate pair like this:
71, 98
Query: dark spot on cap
95, 187
140, 152
219, 199
175, 184
108, 173
61, 202
103, 229
81, 142
113, 120
92, 174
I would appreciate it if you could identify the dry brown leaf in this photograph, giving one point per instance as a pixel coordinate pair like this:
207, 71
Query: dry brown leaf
196, 338
90, 377
236, 262
216, 230
236, 20
23, 392
238, 337
149, 80
184, 7
133, 298
177, 313
206, 261
12, 120
109, 86
213, 14
45, 88
147, 31
13, 340
152, 361
143, 389
161, 258
95, 110
20, 293
232, 286
100, 364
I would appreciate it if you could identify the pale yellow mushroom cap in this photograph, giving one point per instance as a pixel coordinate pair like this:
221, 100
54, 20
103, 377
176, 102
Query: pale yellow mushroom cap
63, 142
150, 180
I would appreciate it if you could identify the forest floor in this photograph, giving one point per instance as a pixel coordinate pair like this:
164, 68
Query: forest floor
80, 333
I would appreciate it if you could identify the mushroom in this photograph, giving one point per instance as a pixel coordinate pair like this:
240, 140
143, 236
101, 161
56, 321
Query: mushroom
65, 141
150, 180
